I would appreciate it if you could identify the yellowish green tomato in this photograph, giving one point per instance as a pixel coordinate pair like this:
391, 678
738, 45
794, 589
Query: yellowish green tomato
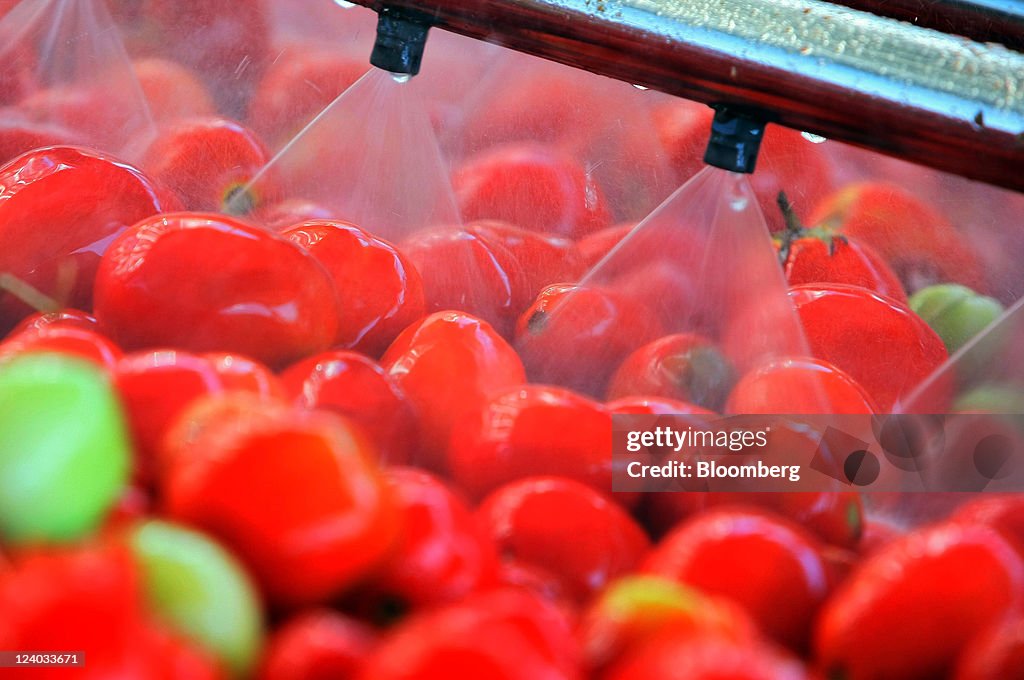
200, 589
955, 312
64, 452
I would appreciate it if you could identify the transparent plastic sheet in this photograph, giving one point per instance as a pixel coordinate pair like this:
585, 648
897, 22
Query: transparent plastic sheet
319, 48
953, 229
603, 126
370, 157
222, 42
66, 78
789, 161
701, 263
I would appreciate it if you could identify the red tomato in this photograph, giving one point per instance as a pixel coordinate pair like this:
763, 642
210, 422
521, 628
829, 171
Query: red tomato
463, 270
575, 336
996, 653
499, 635
289, 212
882, 623
911, 236
209, 163
533, 187
441, 553
594, 247
162, 655
21, 63
293, 493
172, 91
300, 83
1003, 512
764, 563
654, 406
203, 282
878, 533
632, 610
448, 365
318, 644
532, 430
59, 209
85, 599
157, 386
680, 655
357, 387
879, 342
798, 385
685, 366
223, 42
65, 339
380, 291
19, 134
63, 317
567, 529
837, 259
835, 517
543, 259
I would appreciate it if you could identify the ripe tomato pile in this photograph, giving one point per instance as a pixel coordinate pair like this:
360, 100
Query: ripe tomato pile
244, 436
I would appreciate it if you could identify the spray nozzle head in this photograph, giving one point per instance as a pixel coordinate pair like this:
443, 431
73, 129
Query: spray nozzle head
401, 39
736, 136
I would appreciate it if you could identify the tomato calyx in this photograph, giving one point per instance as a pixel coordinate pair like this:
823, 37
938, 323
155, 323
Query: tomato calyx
795, 230
239, 200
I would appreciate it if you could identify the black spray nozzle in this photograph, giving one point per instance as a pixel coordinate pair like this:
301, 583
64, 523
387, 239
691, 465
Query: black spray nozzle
735, 139
401, 38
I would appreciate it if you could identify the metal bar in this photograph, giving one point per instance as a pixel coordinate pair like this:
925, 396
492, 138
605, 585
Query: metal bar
1000, 21
911, 92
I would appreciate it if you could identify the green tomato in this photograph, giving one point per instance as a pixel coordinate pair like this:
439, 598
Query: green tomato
201, 590
992, 398
956, 313
64, 453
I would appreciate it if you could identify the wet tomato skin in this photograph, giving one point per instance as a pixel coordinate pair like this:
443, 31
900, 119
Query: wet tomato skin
810, 261
234, 465
532, 430
503, 634
62, 317
66, 339
683, 366
576, 336
379, 290
447, 365
317, 644
878, 341
1004, 513
995, 653
245, 291
441, 553
461, 269
755, 559
542, 259
532, 187
680, 654
59, 208
357, 387
654, 406
881, 622
566, 528
89, 594
206, 161
835, 517
798, 385
156, 386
